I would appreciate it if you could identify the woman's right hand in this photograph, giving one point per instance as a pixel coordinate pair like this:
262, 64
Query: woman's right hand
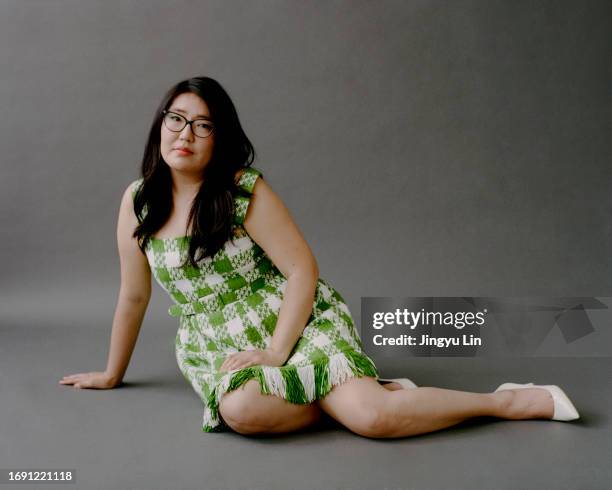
95, 380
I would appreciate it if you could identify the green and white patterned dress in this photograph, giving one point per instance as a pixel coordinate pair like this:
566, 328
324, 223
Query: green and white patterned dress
231, 302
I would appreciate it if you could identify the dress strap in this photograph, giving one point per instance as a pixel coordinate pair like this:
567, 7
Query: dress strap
246, 183
135, 187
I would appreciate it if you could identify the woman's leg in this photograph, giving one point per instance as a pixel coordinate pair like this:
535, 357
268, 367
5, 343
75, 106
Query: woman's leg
366, 408
247, 411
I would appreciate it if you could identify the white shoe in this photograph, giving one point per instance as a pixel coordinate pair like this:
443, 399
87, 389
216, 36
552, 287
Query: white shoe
404, 382
513, 386
564, 410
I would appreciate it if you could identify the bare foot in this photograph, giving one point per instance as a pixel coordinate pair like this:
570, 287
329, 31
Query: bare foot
527, 403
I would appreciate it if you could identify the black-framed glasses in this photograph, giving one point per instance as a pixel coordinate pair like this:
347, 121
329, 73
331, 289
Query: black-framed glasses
175, 122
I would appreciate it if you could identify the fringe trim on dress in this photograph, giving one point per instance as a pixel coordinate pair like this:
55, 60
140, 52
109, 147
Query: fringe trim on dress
299, 385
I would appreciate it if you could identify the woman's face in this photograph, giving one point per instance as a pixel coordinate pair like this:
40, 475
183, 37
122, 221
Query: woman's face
184, 151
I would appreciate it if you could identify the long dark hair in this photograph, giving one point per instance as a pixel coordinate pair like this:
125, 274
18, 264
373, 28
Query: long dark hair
213, 206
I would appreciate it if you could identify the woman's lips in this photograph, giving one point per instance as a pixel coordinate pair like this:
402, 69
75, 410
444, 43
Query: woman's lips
183, 152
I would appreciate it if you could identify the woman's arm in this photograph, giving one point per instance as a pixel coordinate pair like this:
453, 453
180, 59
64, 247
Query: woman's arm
270, 225
134, 294
132, 303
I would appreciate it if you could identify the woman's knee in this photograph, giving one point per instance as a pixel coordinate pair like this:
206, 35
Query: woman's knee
242, 412
248, 411
369, 421
362, 406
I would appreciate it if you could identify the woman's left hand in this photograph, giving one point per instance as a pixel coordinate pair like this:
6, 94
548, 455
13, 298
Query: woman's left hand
247, 358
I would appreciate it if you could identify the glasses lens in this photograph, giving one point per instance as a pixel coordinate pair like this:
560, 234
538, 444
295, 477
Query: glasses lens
174, 122
202, 128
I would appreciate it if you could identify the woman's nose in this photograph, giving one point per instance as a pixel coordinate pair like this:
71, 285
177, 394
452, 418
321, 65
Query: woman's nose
186, 133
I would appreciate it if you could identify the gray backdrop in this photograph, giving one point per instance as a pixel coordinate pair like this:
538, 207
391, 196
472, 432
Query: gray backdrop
425, 148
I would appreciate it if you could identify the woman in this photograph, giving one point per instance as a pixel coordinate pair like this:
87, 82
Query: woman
254, 313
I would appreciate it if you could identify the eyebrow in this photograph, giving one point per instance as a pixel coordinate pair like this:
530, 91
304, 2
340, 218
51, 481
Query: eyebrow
203, 116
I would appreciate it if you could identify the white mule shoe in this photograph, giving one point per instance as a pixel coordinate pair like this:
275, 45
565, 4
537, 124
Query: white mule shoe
404, 382
564, 410
513, 386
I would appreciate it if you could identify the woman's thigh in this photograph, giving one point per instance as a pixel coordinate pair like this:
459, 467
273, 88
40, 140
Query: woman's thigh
248, 411
358, 404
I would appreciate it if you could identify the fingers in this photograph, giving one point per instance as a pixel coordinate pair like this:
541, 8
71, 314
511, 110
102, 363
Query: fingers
239, 366
77, 380
240, 360
232, 361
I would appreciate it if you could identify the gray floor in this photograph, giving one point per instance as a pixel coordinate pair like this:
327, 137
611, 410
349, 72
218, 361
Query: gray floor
146, 435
